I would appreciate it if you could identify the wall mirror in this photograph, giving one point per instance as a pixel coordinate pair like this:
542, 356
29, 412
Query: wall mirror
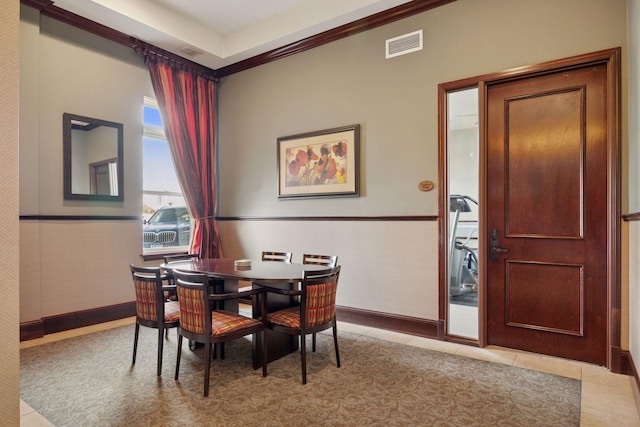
92, 158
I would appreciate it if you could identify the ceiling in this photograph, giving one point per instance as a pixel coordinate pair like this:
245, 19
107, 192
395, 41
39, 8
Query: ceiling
218, 33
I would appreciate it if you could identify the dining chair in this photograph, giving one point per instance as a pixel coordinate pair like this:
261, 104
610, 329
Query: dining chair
330, 261
269, 256
201, 322
179, 257
168, 260
152, 309
316, 312
277, 256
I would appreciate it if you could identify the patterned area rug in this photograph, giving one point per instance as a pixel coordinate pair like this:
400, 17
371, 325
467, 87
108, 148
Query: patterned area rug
89, 381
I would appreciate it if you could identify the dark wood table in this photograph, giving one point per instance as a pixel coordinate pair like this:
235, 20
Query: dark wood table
270, 273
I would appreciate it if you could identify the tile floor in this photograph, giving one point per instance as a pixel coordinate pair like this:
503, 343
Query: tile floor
607, 399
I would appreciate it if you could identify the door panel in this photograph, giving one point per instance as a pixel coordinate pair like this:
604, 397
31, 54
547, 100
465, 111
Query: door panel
544, 297
547, 201
545, 153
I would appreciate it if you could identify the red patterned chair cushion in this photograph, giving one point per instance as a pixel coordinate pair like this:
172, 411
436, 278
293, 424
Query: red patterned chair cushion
289, 317
192, 315
171, 311
146, 294
191, 310
224, 322
321, 307
321, 303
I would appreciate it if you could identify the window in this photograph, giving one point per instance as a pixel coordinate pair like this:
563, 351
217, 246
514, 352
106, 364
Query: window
167, 225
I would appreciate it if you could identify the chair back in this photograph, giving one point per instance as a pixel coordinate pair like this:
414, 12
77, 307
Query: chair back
170, 259
180, 257
147, 282
318, 300
193, 297
277, 256
330, 261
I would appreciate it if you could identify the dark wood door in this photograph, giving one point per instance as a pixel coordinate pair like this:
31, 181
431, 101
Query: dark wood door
547, 207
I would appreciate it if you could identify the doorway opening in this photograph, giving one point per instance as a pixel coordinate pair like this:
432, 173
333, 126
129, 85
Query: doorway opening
528, 167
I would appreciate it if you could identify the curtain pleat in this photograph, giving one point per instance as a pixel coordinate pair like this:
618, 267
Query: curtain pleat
187, 104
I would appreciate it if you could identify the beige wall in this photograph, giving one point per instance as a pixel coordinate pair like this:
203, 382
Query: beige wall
367, 280
9, 118
342, 83
395, 101
346, 82
69, 266
634, 178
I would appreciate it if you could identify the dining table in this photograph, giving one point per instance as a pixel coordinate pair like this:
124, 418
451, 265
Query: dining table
231, 272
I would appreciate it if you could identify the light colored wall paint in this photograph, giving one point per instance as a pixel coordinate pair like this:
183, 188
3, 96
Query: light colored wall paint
634, 178
384, 267
93, 78
342, 83
395, 101
70, 266
634, 292
9, 286
70, 251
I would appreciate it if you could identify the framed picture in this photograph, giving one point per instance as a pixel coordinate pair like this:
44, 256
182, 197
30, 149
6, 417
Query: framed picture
319, 164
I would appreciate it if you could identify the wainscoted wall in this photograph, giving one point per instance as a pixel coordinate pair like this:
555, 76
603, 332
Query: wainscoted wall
395, 102
632, 185
59, 273
9, 286
75, 264
387, 266
633, 229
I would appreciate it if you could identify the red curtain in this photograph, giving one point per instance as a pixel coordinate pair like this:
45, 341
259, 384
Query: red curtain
187, 104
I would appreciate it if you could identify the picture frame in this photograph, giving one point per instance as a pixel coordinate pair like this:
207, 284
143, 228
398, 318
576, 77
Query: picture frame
323, 163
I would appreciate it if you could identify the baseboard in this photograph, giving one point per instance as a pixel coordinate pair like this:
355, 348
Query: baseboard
636, 384
392, 322
31, 330
64, 322
620, 361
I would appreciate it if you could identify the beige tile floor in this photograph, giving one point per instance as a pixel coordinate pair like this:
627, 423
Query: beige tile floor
607, 399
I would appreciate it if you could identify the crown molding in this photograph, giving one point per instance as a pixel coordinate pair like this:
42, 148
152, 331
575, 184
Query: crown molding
48, 8
379, 19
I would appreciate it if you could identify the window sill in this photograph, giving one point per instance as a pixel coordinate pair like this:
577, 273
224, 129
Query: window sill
160, 254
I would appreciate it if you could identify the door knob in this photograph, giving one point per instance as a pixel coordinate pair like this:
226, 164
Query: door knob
495, 249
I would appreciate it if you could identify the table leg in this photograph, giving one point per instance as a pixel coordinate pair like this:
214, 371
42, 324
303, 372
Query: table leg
231, 285
278, 344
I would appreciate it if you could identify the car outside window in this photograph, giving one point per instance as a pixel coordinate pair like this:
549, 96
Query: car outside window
162, 201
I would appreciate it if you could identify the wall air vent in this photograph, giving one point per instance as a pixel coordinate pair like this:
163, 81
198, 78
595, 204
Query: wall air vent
190, 51
404, 44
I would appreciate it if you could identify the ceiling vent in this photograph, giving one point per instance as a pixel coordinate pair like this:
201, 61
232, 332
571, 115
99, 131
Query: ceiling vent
404, 44
190, 51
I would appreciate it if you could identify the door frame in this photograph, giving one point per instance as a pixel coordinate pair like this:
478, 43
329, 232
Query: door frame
617, 359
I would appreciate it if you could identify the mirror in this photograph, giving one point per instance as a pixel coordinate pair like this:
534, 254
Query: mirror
463, 185
92, 158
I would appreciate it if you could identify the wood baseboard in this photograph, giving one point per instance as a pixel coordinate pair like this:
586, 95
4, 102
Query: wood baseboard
63, 322
633, 371
392, 322
31, 330
620, 361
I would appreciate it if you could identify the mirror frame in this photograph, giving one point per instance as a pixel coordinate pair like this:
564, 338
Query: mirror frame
66, 139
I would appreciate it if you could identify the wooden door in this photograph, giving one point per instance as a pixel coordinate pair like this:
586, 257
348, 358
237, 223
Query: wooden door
547, 195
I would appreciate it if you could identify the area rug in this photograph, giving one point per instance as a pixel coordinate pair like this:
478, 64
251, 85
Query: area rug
89, 381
